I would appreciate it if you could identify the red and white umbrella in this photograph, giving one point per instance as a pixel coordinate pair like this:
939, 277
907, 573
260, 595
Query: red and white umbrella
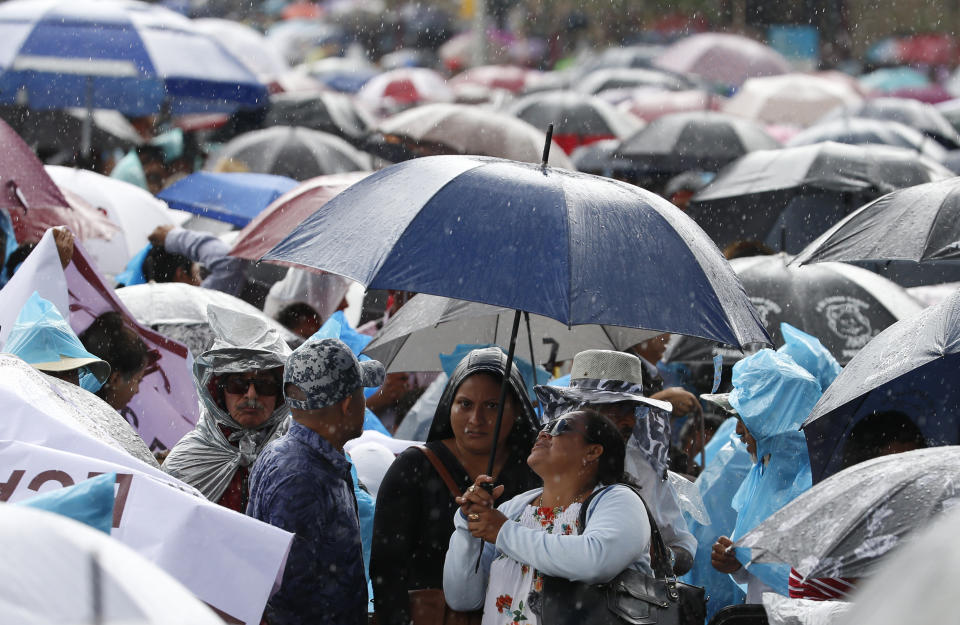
405, 87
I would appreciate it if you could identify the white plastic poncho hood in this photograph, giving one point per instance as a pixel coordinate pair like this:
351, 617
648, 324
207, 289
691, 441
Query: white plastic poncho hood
207, 458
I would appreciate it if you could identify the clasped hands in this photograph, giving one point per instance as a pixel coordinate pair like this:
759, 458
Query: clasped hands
483, 519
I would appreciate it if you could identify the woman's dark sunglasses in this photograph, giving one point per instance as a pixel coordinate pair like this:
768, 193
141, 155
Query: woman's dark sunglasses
559, 426
239, 386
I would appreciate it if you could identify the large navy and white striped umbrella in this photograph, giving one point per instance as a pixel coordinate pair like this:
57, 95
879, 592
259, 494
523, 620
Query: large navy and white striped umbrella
116, 54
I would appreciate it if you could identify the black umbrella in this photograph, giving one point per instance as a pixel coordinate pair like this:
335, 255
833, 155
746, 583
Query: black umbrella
842, 305
861, 131
632, 77
786, 198
914, 113
334, 113
951, 112
703, 140
298, 153
911, 235
59, 130
911, 367
600, 158
577, 117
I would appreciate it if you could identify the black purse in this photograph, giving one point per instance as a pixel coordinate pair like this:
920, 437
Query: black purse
629, 598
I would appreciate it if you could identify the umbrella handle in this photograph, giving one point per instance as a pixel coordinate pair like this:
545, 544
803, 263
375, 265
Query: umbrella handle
504, 387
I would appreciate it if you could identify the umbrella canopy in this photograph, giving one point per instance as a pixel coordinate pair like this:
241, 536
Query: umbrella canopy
428, 325
650, 104
124, 55
600, 158
640, 55
860, 131
926, 118
62, 571
794, 99
578, 119
287, 212
722, 58
889, 79
910, 367
134, 210
569, 246
296, 39
405, 87
179, 311
918, 224
704, 140
842, 305
246, 44
786, 198
333, 113
291, 151
919, 49
344, 74
845, 525
33, 200
62, 130
462, 129
509, 77
232, 198
950, 111
629, 77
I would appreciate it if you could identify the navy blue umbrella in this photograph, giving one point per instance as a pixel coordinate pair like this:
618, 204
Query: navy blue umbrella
573, 247
911, 367
234, 198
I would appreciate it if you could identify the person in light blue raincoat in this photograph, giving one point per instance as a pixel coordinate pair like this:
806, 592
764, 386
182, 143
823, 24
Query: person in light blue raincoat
772, 396
43, 339
727, 464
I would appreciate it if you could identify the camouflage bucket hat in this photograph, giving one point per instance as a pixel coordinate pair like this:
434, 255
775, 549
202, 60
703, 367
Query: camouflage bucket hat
328, 372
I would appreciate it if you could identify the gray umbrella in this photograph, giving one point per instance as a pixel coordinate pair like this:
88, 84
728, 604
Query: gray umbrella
843, 526
859, 131
429, 325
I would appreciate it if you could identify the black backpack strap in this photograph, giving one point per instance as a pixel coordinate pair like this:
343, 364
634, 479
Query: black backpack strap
659, 557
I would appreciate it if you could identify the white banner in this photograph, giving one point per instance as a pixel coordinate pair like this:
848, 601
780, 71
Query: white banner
228, 560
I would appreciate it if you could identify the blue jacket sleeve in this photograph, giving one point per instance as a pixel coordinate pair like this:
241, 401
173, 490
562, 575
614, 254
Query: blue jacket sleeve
227, 273
617, 536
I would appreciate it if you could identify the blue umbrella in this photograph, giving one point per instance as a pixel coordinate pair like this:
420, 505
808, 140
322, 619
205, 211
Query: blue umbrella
573, 247
910, 367
123, 55
235, 198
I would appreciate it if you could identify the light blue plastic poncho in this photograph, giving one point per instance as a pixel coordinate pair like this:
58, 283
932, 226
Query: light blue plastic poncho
11, 244
133, 272
727, 464
129, 169
41, 336
808, 352
773, 395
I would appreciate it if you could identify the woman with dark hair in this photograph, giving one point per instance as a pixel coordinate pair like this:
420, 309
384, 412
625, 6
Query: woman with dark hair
111, 339
580, 458
416, 501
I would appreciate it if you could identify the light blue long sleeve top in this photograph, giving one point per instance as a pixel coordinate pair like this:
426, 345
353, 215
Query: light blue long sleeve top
617, 536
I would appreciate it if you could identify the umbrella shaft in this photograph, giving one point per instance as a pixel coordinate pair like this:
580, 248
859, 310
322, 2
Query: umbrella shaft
504, 387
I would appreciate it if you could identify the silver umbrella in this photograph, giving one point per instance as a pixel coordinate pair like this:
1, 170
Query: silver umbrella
844, 525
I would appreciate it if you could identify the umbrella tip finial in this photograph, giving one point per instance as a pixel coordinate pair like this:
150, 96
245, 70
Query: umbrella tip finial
546, 144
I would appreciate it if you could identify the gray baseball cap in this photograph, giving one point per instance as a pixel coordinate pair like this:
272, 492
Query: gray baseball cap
328, 372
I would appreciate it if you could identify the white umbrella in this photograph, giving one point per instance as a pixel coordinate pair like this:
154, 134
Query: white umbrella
429, 325
133, 209
57, 570
795, 99
248, 45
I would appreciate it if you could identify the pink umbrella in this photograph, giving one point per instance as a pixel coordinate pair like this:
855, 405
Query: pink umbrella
35, 203
722, 58
510, 77
649, 104
286, 213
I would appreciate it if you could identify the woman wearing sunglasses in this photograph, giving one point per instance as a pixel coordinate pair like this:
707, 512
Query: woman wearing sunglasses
417, 497
537, 533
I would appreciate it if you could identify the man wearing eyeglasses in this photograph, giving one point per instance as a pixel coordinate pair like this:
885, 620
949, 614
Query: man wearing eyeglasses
240, 383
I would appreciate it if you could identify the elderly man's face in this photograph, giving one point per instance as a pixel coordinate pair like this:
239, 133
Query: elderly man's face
250, 398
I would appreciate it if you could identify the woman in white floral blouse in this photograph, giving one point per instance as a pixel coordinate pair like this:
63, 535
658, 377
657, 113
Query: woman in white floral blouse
536, 533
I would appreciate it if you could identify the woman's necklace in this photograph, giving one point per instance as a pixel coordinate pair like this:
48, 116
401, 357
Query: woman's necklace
577, 499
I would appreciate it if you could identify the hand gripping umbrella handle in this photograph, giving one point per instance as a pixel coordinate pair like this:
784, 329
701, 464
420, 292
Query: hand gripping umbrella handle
504, 387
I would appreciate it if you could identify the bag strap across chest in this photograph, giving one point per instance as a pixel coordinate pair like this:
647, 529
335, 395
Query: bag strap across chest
441, 470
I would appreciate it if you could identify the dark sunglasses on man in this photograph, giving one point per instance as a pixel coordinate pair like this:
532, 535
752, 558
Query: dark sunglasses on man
238, 385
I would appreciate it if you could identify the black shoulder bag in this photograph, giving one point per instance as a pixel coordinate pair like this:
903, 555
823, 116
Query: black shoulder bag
629, 598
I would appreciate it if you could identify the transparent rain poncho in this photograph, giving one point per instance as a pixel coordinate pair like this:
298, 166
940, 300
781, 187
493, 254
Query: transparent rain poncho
773, 395
206, 458
42, 338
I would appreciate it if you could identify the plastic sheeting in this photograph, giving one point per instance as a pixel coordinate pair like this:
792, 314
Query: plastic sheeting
772, 395
727, 465
43, 338
911, 366
576, 248
845, 525
205, 457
